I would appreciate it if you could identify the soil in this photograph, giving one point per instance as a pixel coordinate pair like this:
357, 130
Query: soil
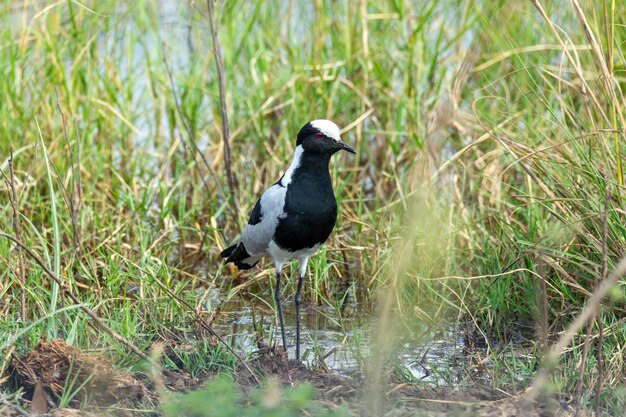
55, 365
51, 363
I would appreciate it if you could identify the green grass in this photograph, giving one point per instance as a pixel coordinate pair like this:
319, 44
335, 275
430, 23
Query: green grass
265, 402
477, 195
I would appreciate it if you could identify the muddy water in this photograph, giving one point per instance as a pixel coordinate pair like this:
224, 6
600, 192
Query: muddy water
429, 355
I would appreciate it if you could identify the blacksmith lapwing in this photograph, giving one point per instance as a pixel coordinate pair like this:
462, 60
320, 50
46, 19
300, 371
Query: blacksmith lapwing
295, 215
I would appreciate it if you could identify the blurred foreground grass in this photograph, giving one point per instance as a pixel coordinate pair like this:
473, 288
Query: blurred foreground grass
487, 189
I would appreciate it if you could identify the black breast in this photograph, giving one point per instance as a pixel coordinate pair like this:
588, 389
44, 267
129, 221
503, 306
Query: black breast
310, 208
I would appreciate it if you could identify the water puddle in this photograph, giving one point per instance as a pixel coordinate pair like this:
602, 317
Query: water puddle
344, 343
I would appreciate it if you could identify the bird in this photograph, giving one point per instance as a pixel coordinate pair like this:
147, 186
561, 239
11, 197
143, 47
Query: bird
295, 215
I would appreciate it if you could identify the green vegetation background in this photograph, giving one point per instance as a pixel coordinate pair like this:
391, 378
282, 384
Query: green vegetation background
487, 188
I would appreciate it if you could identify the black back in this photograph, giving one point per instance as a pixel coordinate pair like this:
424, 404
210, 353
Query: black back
255, 216
310, 205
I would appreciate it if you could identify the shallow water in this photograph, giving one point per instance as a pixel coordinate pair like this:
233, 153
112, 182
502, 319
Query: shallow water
344, 342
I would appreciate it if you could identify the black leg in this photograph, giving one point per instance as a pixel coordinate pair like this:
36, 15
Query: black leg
277, 297
298, 299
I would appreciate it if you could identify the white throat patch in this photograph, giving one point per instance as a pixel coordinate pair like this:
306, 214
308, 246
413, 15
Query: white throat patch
327, 127
294, 164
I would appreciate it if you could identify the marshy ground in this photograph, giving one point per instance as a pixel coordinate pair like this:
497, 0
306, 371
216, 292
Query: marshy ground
475, 268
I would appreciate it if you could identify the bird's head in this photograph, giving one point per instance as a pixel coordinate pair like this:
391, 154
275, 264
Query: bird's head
321, 136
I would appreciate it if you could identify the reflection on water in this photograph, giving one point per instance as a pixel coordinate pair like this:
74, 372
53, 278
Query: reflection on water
344, 343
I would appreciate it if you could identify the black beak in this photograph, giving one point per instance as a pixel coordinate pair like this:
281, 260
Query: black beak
346, 147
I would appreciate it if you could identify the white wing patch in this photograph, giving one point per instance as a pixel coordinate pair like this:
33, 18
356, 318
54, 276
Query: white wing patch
327, 127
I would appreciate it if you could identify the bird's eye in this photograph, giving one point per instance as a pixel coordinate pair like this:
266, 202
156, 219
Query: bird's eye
319, 135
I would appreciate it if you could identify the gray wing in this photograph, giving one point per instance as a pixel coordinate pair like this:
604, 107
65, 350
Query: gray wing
263, 222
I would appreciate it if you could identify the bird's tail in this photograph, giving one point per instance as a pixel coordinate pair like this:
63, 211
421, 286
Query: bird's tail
239, 256
228, 251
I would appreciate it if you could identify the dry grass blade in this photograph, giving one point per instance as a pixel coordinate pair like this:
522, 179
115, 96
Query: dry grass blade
219, 63
605, 270
594, 319
588, 311
358, 121
189, 130
587, 90
610, 83
71, 197
18, 233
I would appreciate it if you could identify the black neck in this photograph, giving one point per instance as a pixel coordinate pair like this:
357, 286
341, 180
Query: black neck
315, 164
